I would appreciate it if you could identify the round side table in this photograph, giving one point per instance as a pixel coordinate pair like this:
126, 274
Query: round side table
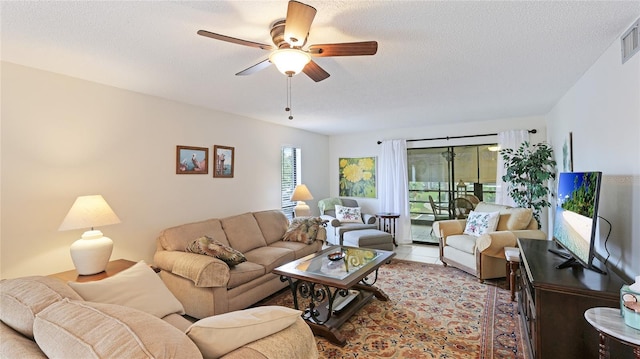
610, 325
387, 222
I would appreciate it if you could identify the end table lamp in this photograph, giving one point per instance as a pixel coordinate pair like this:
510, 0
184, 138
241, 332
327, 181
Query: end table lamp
301, 194
91, 253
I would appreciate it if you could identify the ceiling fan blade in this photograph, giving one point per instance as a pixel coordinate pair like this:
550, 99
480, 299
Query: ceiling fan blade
298, 22
315, 72
344, 49
255, 68
234, 40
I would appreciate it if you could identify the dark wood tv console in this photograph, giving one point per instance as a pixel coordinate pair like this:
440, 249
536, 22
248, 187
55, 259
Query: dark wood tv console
552, 303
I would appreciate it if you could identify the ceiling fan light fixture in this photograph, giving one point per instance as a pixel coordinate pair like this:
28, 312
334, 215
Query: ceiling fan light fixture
290, 61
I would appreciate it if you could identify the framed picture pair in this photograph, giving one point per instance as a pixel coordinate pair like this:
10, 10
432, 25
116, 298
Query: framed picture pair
195, 160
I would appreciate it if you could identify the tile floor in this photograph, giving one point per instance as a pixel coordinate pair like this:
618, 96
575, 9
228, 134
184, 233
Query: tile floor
418, 252
424, 247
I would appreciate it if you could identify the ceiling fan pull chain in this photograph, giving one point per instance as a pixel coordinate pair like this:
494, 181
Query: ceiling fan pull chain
288, 108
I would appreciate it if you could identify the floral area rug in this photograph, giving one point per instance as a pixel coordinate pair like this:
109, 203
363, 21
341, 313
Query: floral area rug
433, 312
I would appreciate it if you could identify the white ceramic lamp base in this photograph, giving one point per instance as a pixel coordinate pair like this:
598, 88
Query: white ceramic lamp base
302, 210
91, 254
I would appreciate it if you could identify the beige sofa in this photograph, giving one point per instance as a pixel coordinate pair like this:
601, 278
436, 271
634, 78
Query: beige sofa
44, 317
207, 286
483, 256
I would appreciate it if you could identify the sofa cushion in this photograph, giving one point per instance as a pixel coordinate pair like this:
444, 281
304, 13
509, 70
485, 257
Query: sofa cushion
463, 242
306, 230
243, 232
23, 298
270, 257
272, 223
177, 238
348, 214
76, 329
299, 249
16, 345
137, 287
244, 273
479, 223
210, 247
217, 335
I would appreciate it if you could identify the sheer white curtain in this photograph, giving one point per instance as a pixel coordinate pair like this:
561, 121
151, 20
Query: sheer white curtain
507, 139
394, 186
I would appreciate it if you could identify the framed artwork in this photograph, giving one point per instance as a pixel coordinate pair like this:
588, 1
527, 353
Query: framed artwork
567, 154
224, 161
357, 177
192, 160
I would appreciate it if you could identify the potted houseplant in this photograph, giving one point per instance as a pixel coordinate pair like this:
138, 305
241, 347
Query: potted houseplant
528, 171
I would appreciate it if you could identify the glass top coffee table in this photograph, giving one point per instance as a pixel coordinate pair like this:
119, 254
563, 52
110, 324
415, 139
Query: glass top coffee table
333, 284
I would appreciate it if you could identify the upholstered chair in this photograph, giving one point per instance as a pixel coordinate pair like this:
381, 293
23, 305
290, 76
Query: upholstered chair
483, 255
337, 225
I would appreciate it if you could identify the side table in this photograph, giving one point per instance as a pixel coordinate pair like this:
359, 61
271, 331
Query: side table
387, 222
610, 325
113, 267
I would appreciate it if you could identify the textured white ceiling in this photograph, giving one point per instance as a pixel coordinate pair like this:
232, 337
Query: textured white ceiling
437, 62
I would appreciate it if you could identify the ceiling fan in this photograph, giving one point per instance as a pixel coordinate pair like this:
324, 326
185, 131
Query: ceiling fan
289, 36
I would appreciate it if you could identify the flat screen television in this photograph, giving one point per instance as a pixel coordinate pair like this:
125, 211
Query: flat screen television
576, 218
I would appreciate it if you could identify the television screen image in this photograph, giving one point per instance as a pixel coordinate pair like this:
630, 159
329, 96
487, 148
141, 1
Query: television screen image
576, 216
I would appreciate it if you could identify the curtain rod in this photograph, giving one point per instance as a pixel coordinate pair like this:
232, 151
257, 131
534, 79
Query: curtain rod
453, 137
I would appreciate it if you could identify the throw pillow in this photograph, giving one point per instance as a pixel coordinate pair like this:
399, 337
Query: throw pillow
306, 230
210, 247
76, 329
219, 334
479, 223
348, 214
519, 218
23, 298
137, 287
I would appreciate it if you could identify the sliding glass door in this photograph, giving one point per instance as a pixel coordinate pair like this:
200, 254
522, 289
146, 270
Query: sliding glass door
438, 175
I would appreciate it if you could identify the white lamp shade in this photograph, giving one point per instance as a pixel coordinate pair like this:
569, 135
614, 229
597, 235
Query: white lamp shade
301, 193
89, 212
290, 61
91, 253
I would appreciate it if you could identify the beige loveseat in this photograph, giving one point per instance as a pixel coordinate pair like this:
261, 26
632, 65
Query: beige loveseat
207, 286
44, 317
483, 256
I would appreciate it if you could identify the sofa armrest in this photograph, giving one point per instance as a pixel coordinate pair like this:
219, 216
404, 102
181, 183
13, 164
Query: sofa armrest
204, 271
369, 218
492, 244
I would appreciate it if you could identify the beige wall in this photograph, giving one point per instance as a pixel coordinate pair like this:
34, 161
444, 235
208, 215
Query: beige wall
365, 144
602, 110
63, 137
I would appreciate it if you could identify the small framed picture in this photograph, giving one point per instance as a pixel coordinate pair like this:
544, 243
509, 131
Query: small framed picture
223, 161
192, 160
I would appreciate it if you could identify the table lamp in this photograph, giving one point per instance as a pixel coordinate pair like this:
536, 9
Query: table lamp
301, 194
91, 253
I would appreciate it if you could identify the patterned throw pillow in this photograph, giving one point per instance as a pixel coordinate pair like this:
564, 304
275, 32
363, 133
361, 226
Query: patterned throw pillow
210, 247
306, 230
348, 214
479, 223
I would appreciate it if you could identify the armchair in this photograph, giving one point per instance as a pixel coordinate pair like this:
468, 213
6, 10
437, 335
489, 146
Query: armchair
483, 256
336, 228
